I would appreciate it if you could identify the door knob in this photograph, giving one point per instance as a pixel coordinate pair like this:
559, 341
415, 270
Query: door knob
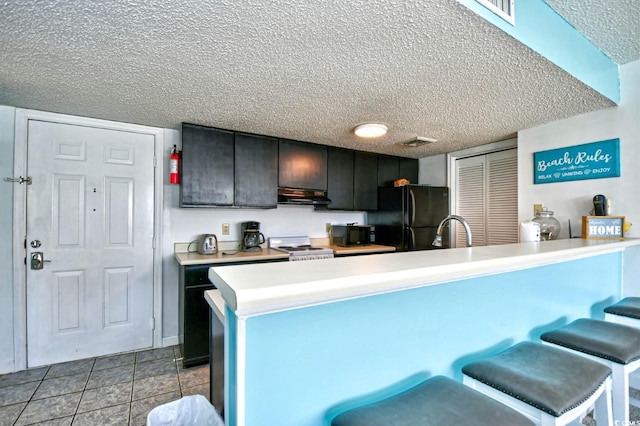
37, 260
19, 180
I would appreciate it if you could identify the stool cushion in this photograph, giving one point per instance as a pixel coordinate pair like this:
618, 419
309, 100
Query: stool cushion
547, 378
437, 401
627, 307
614, 342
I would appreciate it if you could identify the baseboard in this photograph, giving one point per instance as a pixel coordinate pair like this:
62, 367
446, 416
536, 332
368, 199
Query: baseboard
7, 367
169, 341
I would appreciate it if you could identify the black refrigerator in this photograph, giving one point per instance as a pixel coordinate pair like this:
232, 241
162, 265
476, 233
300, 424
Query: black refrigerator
408, 216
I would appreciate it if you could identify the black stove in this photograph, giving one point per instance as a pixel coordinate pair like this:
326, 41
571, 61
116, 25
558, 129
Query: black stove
300, 248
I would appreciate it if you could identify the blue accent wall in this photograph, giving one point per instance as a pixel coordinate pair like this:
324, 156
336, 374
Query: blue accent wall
305, 366
538, 26
230, 362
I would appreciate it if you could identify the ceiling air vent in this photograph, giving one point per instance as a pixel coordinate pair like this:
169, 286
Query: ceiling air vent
503, 8
417, 141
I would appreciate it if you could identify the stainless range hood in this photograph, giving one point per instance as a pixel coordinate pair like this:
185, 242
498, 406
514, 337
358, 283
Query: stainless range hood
303, 196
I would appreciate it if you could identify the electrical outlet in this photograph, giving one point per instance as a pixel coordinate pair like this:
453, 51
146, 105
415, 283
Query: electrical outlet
225, 229
536, 208
328, 227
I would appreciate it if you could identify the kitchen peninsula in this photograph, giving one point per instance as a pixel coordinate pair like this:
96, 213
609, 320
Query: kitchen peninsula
305, 341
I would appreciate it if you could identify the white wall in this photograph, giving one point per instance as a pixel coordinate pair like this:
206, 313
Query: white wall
7, 120
572, 200
185, 224
433, 170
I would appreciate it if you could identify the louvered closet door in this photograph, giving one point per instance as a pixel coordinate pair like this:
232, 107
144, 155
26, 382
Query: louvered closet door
487, 197
502, 197
470, 199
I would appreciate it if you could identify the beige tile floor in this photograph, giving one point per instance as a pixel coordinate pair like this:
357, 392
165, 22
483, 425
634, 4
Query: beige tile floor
113, 390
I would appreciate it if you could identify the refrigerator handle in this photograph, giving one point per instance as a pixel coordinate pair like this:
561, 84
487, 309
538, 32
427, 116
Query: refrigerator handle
412, 207
412, 241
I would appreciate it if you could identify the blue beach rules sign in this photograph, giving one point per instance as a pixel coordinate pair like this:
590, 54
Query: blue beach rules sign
594, 160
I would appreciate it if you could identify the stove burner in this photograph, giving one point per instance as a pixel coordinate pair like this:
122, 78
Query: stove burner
303, 247
299, 248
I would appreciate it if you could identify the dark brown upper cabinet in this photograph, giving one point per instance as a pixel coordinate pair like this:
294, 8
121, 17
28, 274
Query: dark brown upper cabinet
340, 178
365, 181
256, 171
392, 168
222, 168
388, 167
408, 169
207, 169
302, 165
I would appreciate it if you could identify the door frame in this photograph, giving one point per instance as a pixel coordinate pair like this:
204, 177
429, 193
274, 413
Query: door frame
22, 118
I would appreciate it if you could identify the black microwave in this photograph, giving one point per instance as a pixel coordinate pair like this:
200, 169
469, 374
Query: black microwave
352, 235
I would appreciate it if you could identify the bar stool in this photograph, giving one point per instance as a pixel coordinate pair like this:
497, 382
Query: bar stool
434, 402
547, 384
614, 345
626, 311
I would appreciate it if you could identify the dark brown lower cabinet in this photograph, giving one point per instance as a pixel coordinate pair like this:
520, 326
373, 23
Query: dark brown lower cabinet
193, 314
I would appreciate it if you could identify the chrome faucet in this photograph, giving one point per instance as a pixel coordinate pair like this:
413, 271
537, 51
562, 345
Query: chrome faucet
437, 241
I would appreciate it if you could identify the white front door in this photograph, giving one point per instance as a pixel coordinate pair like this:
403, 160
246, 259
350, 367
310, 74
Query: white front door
90, 214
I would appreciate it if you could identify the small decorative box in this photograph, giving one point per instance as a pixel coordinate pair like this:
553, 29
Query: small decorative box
603, 227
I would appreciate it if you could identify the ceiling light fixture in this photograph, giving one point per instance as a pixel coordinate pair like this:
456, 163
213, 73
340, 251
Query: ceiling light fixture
370, 130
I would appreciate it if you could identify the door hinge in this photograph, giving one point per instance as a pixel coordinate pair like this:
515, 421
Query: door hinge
153, 242
155, 161
153, 323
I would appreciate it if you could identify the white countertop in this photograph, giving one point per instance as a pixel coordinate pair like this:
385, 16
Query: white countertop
216, 302
229, 256
229, 253
262, 288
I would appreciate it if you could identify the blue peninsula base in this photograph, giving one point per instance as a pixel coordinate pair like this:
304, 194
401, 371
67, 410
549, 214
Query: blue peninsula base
303, 366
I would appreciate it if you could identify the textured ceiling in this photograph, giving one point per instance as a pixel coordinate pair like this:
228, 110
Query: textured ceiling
290, 68
613, 26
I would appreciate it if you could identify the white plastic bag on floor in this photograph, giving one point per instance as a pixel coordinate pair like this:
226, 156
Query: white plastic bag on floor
194, 410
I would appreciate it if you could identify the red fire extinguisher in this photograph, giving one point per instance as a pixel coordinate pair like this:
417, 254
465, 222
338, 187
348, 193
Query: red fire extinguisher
174, 166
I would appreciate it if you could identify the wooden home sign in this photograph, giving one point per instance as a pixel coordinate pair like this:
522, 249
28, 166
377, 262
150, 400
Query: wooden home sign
603, 227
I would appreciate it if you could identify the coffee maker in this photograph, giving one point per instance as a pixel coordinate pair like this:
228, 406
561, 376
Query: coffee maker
251, 236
